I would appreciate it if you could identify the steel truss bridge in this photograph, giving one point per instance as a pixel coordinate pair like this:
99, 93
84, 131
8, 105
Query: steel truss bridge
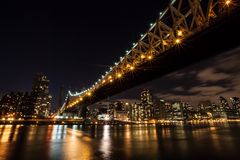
186, 32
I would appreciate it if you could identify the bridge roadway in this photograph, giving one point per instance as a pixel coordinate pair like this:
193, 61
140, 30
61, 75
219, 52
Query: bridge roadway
221, 36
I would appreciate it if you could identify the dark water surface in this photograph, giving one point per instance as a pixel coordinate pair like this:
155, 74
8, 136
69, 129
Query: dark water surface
124, 142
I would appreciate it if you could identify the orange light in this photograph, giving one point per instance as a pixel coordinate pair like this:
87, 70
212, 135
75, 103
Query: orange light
119, 75
164, 43
179, 33
227, 2
177, 41
130, 67
150, 57
80, 98
89, 93
111, 80
142, 56
109, 77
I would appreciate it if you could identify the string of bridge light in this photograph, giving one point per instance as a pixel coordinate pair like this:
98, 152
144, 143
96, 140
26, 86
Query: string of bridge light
110, 77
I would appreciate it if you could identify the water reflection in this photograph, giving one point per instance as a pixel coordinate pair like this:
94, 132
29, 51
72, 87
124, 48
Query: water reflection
105, 144
119, 142
77, 145
8, 133
59, 132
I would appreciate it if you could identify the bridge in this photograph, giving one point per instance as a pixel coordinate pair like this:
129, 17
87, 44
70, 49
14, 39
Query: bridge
186, 32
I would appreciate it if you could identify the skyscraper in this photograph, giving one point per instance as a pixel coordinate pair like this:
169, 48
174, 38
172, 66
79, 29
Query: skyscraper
230, 111
10, 104
235, 103
159, 111
147, 104
224, 103
41, 96
135, 112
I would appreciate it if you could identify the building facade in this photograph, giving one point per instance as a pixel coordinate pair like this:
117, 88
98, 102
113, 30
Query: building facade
40, 96
146, 108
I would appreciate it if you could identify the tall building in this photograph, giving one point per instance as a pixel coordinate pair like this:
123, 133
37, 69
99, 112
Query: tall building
188, 111
205, 109
26, 106
147, 105
40, 95
235, 103
224, 103
168, 110
159, 109
218, 111
231, 112
177, 111
10, 104
135, 112
121, 111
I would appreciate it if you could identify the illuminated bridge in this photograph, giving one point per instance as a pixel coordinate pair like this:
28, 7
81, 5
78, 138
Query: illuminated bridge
186, 32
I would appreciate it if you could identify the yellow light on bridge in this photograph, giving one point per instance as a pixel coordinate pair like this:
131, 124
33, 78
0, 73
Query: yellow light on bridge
164, 43
80, 99
180, 33
150, 57
227, 2
89, 93
111, 80
142, 56
103, 81
119, 75
109, 77
130, 67
177, 41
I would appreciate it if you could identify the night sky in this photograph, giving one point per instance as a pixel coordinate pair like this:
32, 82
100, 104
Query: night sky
73, 43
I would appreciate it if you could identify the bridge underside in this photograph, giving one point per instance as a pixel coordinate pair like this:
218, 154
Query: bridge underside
216, 39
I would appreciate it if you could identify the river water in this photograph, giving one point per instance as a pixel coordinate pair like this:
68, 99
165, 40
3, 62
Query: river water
120, 142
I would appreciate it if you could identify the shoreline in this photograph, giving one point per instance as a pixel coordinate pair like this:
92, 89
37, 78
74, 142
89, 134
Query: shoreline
80, 122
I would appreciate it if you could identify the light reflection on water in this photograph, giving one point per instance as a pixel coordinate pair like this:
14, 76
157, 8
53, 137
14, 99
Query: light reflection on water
105, 144
119, 142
